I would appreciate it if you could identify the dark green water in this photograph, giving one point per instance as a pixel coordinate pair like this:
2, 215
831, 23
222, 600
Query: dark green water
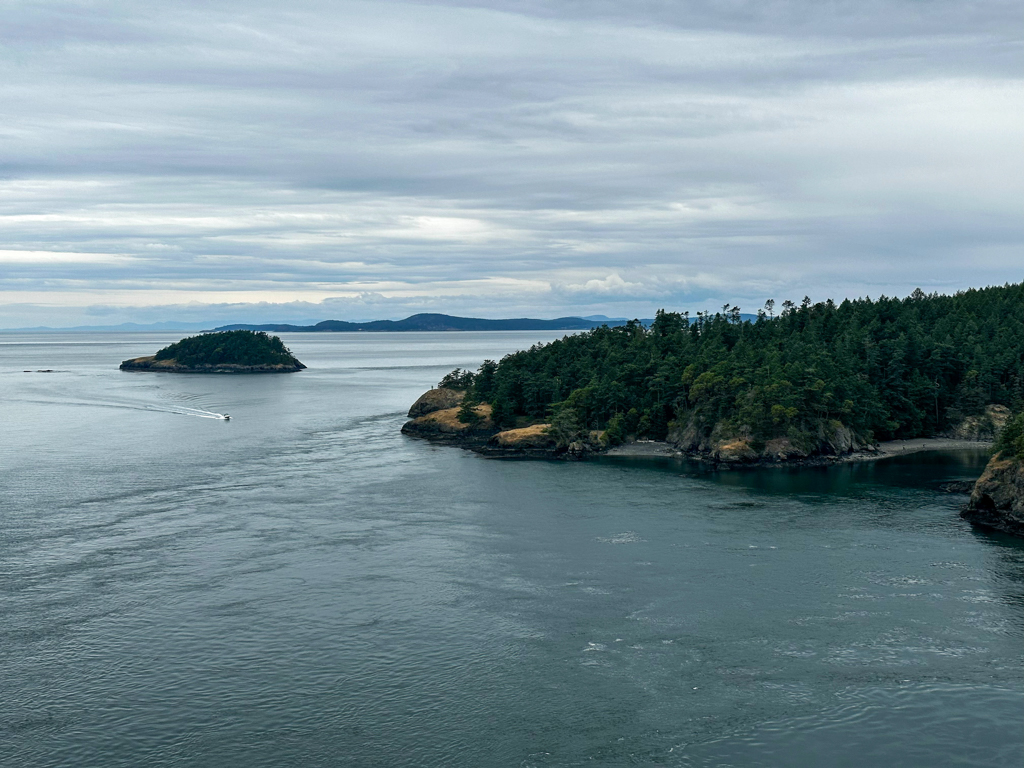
304, 586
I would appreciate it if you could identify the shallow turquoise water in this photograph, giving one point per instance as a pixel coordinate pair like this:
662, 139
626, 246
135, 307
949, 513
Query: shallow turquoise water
303, 585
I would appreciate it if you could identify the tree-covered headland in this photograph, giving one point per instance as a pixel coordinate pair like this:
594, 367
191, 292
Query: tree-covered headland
810, 378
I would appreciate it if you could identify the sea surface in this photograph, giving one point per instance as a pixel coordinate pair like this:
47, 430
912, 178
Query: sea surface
304, 586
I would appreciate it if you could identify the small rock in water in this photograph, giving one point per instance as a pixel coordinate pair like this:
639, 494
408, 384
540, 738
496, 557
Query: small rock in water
957, 486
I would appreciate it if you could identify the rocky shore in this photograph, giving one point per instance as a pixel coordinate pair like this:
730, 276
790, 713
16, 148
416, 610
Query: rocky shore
868, 453
435, 416
997, 501
171, 365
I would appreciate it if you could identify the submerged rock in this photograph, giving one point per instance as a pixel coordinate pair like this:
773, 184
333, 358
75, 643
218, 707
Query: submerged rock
997, 500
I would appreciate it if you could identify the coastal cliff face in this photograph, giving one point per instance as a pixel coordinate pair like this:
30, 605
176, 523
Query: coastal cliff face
985, 426
444, 425
439, 399
171, 365
997, 501
830, 439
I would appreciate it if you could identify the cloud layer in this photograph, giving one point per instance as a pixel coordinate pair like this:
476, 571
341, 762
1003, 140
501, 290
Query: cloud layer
356, 160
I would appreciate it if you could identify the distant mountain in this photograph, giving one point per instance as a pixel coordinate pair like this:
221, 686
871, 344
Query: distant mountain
436, 322
421, 322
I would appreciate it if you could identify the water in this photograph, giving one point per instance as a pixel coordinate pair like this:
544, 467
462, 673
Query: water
304, 586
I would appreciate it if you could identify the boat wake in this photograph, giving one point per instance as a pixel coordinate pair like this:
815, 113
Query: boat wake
176, 410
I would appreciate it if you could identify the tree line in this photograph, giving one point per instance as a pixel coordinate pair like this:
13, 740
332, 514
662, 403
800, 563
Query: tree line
228, 348
886, 369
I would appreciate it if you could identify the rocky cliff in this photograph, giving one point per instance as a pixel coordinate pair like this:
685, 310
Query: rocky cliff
997, 501
830, 439
985, 426
444, 425
439, 399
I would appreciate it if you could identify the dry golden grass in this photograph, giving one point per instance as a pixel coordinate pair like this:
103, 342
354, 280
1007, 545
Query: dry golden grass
534, 436
447, 420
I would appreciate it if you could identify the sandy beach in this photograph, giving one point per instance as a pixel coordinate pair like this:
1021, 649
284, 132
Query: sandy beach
903, 447
644, 448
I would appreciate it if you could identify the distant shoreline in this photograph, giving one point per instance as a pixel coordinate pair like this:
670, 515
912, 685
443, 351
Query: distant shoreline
659, 448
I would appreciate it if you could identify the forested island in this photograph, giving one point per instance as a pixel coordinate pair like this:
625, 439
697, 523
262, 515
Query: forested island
225, 352
813, 381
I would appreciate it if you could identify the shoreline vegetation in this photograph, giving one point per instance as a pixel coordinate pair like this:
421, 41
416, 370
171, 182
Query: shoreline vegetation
230, 352
436, 417
816, 381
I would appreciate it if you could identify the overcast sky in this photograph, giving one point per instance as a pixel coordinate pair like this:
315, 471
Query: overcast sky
259, 161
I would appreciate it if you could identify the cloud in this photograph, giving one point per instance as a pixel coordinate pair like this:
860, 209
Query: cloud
509, 156
613, 284
60, 257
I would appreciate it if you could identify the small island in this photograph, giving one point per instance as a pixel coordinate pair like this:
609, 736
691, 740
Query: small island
224, 352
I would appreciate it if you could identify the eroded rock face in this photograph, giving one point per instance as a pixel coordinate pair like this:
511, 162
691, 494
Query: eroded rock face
998, 498
439, 399
782, 449
736, 451
833, 439
984, 427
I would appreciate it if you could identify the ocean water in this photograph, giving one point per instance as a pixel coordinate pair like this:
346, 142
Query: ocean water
304, 586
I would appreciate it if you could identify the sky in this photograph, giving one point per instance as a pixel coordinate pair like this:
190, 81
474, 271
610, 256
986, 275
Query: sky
293, 162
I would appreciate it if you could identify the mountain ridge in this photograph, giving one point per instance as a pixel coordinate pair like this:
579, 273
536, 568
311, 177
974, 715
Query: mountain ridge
428, 321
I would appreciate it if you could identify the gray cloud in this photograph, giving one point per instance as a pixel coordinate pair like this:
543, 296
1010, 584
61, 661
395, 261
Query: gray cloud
349, 159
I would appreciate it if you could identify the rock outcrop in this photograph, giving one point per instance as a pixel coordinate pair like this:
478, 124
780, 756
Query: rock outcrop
446, 426
438, 415
997, 501
171, 365
831, 440
985, 426
439, 399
